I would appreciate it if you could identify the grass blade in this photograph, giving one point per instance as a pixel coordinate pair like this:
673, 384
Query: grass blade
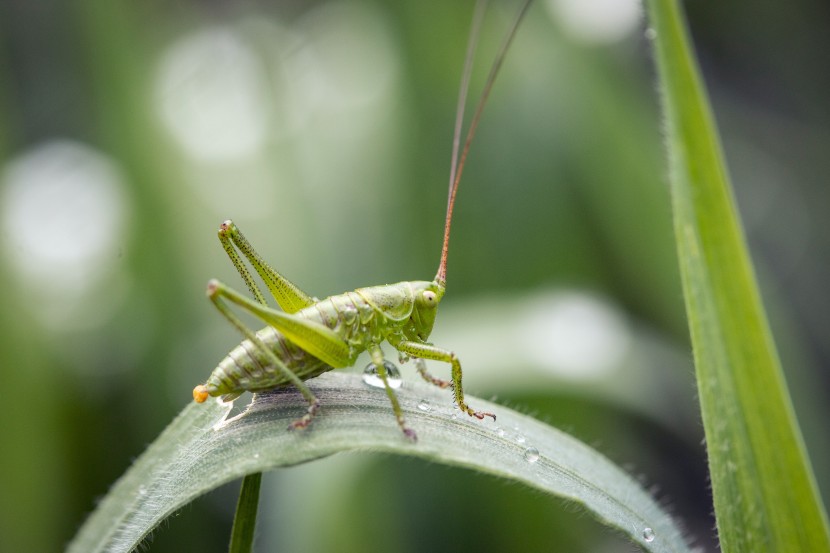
244, 521
201, 450
764, 490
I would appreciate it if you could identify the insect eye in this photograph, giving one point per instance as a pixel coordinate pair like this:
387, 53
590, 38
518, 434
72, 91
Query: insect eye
429, 296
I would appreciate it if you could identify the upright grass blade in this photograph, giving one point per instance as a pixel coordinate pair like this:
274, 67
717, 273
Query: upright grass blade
764, 491
201, 450
244, 521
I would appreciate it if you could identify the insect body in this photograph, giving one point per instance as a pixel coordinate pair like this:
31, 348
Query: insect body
322, 335
309, 336
368, 316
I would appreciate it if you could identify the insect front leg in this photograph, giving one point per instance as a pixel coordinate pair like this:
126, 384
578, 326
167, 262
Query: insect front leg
425, 351
218, 293
378, 361
288, 295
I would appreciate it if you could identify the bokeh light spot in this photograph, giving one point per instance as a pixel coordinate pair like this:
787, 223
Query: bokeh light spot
596, 21
63, 216
574, 335
210, 93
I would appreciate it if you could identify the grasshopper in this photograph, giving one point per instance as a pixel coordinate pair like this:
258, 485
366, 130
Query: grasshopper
310, 336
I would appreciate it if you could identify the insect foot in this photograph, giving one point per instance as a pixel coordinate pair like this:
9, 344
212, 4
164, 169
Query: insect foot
410, 434
305, 420
479, 414
200, 393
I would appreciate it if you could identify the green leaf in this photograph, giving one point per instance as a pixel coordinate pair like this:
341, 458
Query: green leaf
201, 450
764, 490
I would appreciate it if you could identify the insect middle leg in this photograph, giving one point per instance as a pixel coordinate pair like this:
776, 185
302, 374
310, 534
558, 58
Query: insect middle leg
378, 361
421, 367
425, 351
218, 292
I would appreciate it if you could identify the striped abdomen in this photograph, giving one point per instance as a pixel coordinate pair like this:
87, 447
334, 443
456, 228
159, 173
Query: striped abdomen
245, 368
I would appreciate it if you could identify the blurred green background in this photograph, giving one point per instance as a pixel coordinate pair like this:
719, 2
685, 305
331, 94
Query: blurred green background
130, 130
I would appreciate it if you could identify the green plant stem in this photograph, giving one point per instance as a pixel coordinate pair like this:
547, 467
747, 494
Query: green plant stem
244, 521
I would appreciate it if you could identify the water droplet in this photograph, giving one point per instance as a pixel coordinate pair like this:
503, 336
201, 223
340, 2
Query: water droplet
142, 490
500, 431
454, 415
648, 535
256, 455
424, 406
520, 439
651, 34
393, 375
531, 454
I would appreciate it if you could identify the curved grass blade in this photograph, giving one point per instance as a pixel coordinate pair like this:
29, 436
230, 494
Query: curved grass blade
201, 450
764, 490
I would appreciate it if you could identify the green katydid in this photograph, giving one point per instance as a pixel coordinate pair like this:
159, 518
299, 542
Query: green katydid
309, 336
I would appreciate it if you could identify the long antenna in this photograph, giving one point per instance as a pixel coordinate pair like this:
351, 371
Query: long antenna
472, 44
457, 167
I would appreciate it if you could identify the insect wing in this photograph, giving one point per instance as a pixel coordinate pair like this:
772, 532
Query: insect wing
315, 338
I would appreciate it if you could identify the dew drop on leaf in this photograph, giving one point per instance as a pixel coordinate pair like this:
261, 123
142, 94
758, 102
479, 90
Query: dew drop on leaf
531, 455
372, 378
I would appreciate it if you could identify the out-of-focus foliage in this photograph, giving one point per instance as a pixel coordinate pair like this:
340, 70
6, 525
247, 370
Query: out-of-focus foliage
131, 130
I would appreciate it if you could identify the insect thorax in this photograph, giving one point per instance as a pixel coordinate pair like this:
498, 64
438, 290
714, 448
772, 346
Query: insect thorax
357, 317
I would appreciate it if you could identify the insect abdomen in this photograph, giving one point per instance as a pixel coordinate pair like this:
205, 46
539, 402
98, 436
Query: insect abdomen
245, 368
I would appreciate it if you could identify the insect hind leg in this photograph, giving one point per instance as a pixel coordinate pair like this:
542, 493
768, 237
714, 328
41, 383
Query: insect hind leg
218, 292
288, 295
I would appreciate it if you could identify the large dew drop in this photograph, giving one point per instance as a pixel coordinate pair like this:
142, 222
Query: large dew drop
531, 455
393, 375
648, 535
